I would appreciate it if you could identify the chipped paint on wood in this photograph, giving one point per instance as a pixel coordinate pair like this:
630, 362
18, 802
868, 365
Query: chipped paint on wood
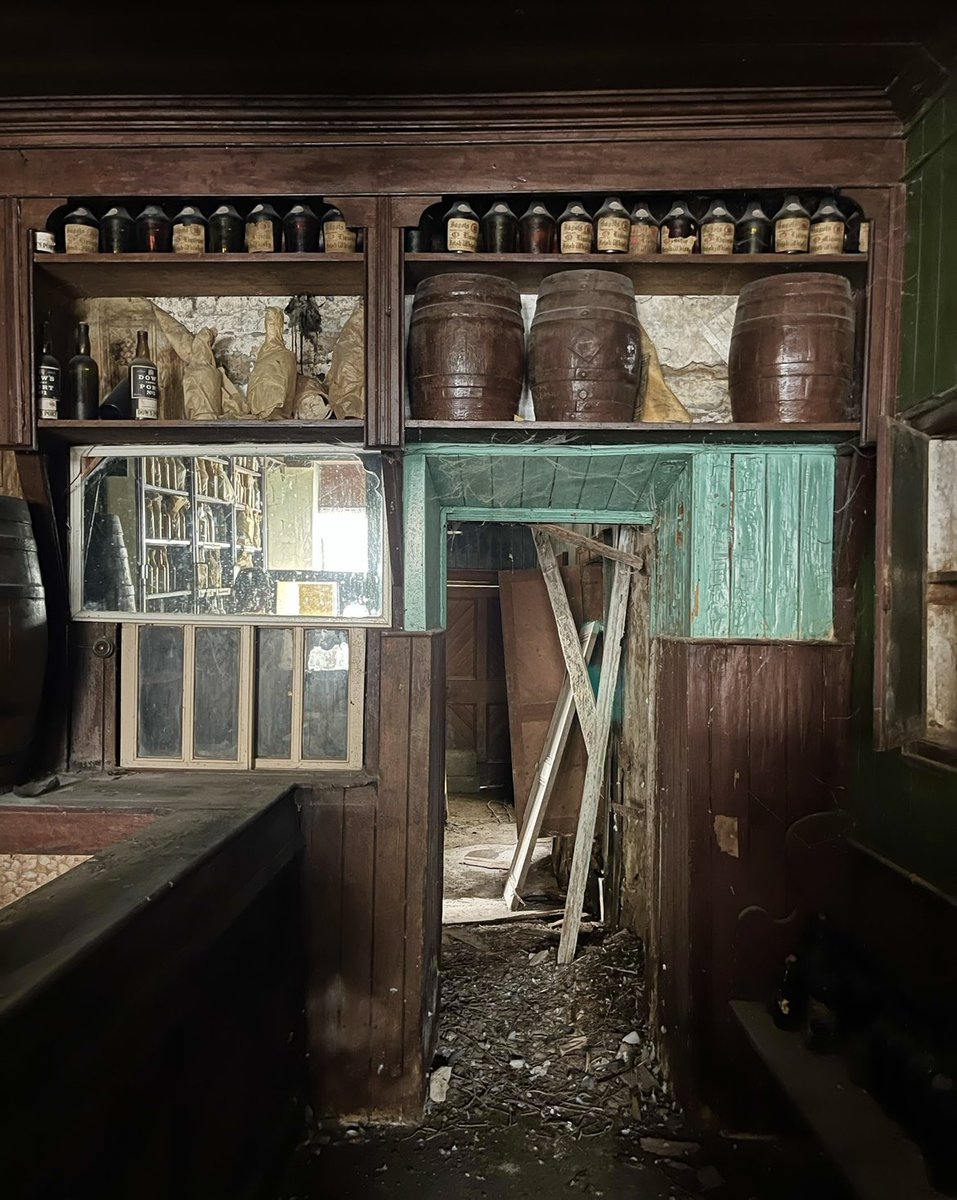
748, 540
726, 835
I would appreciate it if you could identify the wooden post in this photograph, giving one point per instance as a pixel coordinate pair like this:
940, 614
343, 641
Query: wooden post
595, 771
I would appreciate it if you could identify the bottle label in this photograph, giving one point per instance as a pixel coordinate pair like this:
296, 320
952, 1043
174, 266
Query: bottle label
49, 380
144, 391
717, 238
340, 239
827, 237
259, 237
864, 237
679, 245
462, 234
613, 233
44, 242
189, 239
790, 234
643, 240
81, 239
576, 237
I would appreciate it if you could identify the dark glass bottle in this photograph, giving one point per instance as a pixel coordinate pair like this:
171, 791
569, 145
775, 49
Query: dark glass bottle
436, 215
263, 230
81, 232
792, 224
576, 230
787, 1009
144, 381
643, 238
461, 225
189, 231
612, 227
828, 228
500, 229
752, 233
154, 231
48, 379
536, 229
225, 231
337, 237
300, 228
418, 238
679, 230
717, 229
83, 378
117, 406
117, 232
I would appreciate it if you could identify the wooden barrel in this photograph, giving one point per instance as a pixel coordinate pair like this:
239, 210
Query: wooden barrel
792, 350
23, 638
466, 349
583, 360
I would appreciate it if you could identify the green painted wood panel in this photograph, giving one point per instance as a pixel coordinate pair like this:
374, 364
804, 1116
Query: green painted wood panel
748, 544
816, 548
671, 604
424, 541
711, 545
538, 476
783, 543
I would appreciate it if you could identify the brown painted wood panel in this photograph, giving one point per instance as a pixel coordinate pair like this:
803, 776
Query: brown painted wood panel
535, 673
49, 830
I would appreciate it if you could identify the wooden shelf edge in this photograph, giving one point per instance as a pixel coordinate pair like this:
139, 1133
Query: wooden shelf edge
117, 433
630, 432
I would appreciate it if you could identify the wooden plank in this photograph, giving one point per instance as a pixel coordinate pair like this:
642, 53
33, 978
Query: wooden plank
569, 639
538, 477
748, 540
781, 571
768, 714
591, 791
711, 548
506, 483
816, 548
592, 544
868, 1148
353, 1080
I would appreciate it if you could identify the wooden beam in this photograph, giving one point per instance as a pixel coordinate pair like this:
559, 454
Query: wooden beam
593, 544
543, 783
568, 637
595, 771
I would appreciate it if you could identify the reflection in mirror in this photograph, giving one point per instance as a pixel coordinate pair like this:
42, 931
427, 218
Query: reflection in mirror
216, 694
166, 534
160, 700
274, 693
325, 709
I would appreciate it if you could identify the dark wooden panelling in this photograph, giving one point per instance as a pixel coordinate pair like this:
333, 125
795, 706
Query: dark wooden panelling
385, 329
50, 830
16, 420
373, 886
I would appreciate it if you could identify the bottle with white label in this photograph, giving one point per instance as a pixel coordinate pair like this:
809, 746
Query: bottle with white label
612, 227
828, 228
81, 232
337, 237
643, 238
263, 230
679, 230
48, 379
189, 231
792, 225
461, 226
717, 229
144, 381
576, 230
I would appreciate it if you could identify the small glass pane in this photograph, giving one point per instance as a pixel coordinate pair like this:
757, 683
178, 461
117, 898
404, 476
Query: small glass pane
216, 697
274, 694
325, 715
159, 731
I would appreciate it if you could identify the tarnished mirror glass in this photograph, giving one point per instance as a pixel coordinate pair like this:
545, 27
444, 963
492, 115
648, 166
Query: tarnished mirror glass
216, 534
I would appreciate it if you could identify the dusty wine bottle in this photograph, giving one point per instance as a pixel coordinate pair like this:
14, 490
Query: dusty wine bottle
48, 379
536, 229
717, 229
189, 231
418, 238
500, 229
117, 232
752, 233
679, 230
300, 227
144, 381
225, 231
643, 237
337, 237
828, 228
81, 232
576, 230
83, 378
263, 230
792, 224
461, 228
153, 231
612, 227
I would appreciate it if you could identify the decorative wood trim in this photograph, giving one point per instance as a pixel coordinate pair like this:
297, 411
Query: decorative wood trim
385, 330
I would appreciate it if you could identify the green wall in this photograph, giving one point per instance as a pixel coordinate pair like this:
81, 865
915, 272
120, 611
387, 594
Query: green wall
907, 809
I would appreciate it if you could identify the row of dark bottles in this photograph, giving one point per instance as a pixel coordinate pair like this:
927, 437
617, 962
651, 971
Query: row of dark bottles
77, 394
191, 231
905, 1057
613, 229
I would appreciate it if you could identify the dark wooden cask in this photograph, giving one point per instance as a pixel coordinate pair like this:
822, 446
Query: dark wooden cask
583, 348
23, 637
466, 349
792, 350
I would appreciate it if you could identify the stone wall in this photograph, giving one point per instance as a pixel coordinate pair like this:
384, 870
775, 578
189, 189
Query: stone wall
21, 874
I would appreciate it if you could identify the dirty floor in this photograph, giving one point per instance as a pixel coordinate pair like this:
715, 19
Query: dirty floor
545, 1082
